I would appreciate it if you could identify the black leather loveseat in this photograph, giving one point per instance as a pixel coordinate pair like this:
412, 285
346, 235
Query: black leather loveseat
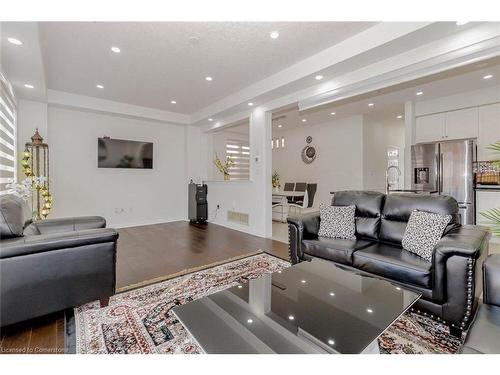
53, 264
450, 284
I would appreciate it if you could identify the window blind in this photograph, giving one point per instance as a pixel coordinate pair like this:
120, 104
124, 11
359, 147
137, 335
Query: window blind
8, 120
239, 152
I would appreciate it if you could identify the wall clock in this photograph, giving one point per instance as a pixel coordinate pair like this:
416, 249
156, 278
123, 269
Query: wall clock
308, 152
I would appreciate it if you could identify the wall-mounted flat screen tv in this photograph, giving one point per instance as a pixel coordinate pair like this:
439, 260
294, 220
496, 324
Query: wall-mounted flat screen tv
120, 153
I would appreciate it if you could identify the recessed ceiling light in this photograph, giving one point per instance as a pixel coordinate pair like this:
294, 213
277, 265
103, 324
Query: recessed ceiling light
399, 116
250, 321
398, 288
28, 86
250, 104
332, 294
240, 286
173, 102
99, 86
369, 310
332, 113
210, 119
291, 317
461, 23
488, 76
304, 120
15, 41
115, 49
303, 281
331, 342
208, 78
370, 104
274, 34
279, 271
419, 93
280, 126
319, 77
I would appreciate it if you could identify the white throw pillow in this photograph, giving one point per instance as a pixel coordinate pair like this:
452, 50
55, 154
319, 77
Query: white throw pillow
337, 221
423, 231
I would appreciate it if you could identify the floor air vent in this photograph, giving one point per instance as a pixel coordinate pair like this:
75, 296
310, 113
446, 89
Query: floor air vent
237, 217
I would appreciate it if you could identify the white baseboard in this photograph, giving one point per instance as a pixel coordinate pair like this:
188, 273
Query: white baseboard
143, 223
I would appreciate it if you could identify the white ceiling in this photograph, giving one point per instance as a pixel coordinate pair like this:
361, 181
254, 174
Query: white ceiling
159, 62
389, 102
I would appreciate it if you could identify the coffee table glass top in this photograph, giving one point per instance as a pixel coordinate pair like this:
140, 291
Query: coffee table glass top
311, 307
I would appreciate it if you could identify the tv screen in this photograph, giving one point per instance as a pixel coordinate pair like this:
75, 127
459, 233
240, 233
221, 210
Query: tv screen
120, 153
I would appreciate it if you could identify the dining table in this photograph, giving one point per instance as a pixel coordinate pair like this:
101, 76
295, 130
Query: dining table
280, 200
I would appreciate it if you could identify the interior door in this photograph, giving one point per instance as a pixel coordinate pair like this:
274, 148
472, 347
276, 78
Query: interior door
456, 170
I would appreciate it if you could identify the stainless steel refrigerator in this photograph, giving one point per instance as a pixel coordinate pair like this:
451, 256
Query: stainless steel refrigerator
446, 168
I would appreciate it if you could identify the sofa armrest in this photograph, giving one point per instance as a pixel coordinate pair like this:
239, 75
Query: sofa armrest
491, 280
299, 228
457, 261
54, 241
63, 225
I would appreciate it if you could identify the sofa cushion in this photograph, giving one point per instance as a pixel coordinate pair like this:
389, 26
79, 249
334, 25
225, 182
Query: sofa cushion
392, 262
337, 222
398, 208
483, 336
423, 232
368, 210
334, 249
11, 216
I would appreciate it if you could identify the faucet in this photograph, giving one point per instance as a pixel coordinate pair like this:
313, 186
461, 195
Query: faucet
387, 185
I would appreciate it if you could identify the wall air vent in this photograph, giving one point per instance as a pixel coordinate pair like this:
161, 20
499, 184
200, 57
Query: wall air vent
237, 217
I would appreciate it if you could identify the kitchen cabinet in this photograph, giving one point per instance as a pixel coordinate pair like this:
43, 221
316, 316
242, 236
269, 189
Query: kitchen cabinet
461, 124
489, 130
430, 128
447, 126
486, 200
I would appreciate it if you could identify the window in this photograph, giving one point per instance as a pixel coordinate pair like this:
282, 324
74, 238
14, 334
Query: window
238, 151
8, 152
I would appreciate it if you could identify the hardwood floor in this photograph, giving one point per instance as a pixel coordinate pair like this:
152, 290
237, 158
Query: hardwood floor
146, 253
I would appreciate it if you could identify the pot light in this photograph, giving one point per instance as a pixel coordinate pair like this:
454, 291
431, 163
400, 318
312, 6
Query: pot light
173, 102
210, 119
419, 93
331, 342
250, 321
279, 271
461, 23
303, 281
399, 116
398, 288
332, 294
370, 311
250, 104
274, 34
208, 78
99, 86
280, 126
333, 113
28, 86
319, 77
488, 76
115, 49
291, 317
240, 286
371, 104
14, 41
304, 120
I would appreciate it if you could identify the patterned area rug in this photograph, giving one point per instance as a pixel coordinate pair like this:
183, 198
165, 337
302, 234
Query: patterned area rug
140, 320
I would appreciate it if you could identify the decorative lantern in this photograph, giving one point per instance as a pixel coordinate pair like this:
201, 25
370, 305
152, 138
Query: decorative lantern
35, 164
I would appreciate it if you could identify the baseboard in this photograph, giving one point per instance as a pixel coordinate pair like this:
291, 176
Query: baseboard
144, 223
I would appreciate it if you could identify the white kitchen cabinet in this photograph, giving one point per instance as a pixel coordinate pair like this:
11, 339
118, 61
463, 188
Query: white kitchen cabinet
486, 200
461, 124
489, 130
430, 128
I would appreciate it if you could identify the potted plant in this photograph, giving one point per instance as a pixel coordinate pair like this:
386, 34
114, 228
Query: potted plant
276, 181
224, 167
493, 215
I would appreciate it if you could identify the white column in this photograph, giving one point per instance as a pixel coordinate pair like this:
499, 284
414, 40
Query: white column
260, 173
409, 140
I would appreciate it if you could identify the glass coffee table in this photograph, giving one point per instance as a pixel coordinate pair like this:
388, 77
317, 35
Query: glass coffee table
311, 307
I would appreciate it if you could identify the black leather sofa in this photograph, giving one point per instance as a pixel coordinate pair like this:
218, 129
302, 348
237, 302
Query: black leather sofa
52, 265
450, 284
484, 335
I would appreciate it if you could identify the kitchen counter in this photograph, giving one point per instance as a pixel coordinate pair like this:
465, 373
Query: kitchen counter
487, 188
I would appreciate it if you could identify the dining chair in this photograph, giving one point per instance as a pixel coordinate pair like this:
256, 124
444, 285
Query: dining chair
299, 186
289, 186
307, 200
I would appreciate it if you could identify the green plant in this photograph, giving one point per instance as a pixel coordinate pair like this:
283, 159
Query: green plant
493, 215
276, 180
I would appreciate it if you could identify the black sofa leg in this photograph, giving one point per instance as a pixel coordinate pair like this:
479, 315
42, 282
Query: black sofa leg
455, 331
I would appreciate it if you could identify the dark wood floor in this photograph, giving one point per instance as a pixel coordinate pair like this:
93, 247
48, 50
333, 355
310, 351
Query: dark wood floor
146, 253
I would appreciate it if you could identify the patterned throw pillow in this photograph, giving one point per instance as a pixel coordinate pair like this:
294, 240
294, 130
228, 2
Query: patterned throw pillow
337, 221
423, 231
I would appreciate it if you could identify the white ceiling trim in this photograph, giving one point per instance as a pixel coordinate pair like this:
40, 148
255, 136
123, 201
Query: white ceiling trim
371, 38
66, 99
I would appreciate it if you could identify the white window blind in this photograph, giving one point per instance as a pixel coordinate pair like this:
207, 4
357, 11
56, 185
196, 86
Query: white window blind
8, 152
239, 152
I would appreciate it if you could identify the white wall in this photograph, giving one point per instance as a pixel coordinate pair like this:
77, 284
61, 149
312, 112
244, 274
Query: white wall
124, 197
339, 161
378, 135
